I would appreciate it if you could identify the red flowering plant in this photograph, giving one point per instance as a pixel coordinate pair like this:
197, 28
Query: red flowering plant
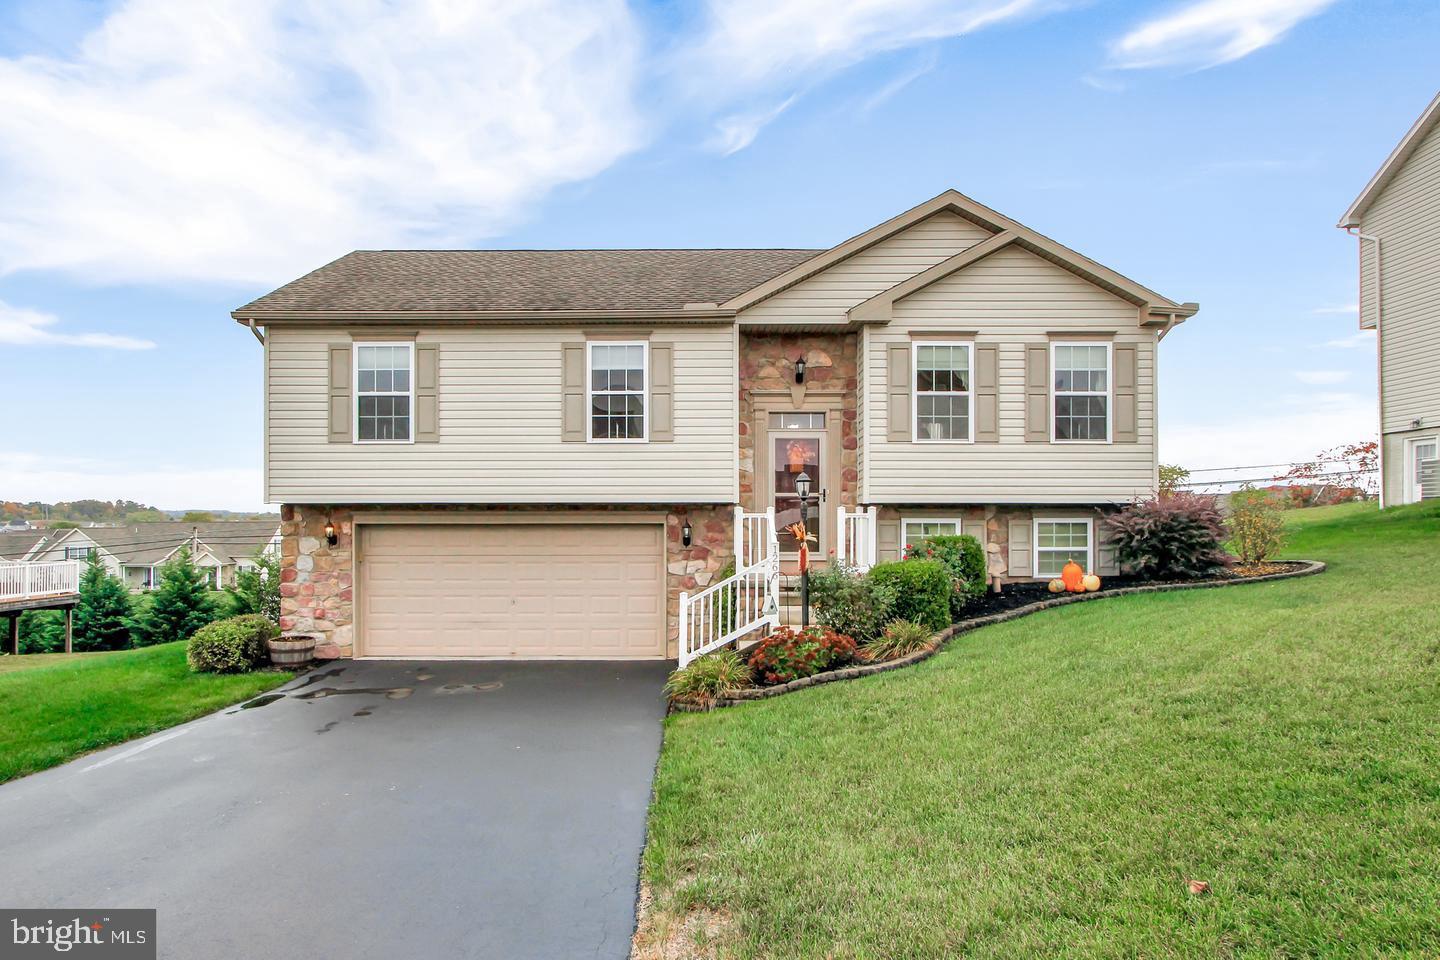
789, 654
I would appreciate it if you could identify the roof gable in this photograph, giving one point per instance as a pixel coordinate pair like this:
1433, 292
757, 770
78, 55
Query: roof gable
1001, 226
1403, 151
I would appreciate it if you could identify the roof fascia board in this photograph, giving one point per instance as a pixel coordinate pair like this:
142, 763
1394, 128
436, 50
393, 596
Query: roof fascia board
1392, 165
717, 315
879, 308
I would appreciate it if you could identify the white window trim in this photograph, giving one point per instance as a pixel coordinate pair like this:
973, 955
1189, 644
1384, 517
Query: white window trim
906, 521
1109, 389
1411, 485
969, 395
1035, 542
69, 549
590, 346
355, 389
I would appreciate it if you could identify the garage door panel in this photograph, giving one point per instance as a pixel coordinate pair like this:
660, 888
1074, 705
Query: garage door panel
512, 590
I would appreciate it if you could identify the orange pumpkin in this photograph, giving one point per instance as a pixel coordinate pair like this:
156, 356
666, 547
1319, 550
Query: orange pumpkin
1074, 577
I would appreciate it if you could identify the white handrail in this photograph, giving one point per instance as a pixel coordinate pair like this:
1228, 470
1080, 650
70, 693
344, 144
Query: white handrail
856, 538
29, 581
741, 603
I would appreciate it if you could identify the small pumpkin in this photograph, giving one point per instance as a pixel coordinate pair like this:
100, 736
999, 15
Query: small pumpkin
1091, 582
1073, 577
1057, 586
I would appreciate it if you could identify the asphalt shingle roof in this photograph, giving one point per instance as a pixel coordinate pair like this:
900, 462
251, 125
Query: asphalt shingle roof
143, 544
400, 281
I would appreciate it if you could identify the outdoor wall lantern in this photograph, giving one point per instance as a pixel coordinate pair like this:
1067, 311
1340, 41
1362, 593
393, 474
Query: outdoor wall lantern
685, 533
800, 370
330, 533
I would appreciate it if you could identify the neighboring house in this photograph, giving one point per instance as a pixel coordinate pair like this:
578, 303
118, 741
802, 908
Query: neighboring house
509, 448
18, 544
135, 552
16, 526
1397, 221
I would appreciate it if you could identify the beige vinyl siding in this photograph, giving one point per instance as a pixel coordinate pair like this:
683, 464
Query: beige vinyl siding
827, 296
1406, 218
1011, 299
500, 426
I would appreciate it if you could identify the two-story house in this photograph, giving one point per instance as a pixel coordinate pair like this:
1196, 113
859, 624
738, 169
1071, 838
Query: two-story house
1396, 220
536, 453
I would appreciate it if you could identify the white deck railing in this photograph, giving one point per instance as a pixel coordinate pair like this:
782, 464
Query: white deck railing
855, 538
32, 581
739, 604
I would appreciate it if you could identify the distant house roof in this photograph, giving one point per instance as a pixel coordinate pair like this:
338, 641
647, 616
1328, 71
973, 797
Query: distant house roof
15, 544
1428, 121
519, 282
146, 544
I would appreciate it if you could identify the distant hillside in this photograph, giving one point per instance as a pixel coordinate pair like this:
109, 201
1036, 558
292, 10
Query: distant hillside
108, 511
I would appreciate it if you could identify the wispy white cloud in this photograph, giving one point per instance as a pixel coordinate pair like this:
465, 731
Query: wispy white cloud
1211, 32
1295, 430
170, 486
737, 131
1351, 308
750, 53
1317, 378
1356, 341
923, 65
23, 327
248, 140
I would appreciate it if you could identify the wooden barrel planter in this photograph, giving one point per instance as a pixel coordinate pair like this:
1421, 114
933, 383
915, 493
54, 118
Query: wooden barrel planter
292, 650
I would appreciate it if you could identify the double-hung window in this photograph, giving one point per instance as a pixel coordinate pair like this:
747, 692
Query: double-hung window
917, 530
77, 553
384, 392
1057, 542
942, 392
618, 391
1081, 394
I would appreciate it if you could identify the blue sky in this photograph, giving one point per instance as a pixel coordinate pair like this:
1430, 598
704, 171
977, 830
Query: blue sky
162, 162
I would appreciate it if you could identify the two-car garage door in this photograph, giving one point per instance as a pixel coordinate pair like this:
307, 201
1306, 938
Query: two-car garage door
511, 590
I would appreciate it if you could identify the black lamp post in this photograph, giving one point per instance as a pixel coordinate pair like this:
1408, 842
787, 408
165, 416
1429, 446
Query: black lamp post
802, 491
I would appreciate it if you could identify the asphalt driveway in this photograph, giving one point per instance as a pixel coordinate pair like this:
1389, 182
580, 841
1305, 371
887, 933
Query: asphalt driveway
378, 809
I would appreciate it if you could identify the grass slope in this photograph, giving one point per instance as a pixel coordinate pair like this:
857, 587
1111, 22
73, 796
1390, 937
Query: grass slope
69, 705
1048, 786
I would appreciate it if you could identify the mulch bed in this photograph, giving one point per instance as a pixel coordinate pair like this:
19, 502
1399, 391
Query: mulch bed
1017, 600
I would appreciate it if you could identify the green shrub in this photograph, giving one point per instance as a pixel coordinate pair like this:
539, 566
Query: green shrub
1178, 537
257, 589
1257, 530
236, 645
789, 654
849, 603
963, 557
922, 590
41, 631
900, 639
710, 678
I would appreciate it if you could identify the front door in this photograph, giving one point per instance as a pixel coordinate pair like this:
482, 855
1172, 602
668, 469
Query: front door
791, 453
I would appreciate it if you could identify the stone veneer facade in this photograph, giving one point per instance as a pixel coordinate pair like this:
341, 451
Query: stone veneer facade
767, 365
317, 587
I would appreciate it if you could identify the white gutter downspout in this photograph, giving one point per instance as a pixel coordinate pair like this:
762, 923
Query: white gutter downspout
1379, 352
258, 335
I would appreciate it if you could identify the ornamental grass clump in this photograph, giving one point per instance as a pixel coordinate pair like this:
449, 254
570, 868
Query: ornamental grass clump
1257, 529
1177, 537
900, 639
710, 678
789, 654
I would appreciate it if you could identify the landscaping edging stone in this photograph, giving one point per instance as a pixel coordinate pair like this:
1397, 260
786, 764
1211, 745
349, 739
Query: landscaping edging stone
1305, 568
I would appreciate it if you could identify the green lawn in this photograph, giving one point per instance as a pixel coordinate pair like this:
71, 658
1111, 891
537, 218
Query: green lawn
58, 706
1047, 787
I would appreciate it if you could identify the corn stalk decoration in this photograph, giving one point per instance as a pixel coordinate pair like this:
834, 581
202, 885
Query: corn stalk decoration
804, 538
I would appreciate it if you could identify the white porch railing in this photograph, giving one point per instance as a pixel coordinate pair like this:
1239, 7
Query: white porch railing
855, 538
29, 581
739, 604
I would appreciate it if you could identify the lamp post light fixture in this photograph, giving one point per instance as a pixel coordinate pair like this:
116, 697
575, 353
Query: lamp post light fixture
802, 491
